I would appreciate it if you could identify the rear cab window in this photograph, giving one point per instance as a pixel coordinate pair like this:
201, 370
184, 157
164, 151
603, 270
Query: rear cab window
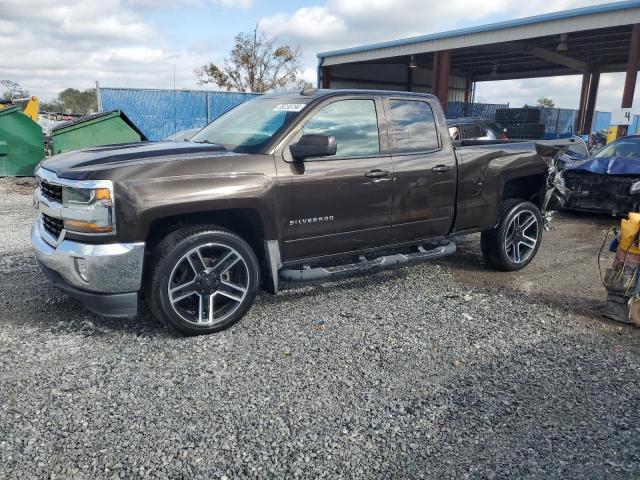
414, 126
473, 130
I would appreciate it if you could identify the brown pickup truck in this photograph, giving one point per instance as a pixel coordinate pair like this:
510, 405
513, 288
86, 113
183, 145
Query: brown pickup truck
291, 187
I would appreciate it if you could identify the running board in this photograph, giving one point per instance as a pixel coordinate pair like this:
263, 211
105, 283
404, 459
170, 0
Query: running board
321, 273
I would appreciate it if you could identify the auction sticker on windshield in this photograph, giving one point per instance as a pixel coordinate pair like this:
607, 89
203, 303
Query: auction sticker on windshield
289, 107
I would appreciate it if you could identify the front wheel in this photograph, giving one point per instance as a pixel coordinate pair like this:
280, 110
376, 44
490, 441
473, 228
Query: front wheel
204, 280
514, 242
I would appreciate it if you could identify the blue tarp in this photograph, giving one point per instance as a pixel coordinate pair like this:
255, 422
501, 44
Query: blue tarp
161, 113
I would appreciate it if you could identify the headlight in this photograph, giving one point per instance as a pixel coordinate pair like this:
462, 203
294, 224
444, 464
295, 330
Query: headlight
88, 210
635, 188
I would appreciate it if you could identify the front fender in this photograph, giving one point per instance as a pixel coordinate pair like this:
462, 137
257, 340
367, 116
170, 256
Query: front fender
144, 202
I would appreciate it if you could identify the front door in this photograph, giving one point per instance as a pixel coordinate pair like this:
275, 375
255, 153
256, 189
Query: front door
340, 203
425, 172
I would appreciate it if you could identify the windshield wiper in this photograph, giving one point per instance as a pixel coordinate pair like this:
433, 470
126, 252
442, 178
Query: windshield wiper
210, 143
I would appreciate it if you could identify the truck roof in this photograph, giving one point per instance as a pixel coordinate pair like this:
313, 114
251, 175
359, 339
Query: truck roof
322, 92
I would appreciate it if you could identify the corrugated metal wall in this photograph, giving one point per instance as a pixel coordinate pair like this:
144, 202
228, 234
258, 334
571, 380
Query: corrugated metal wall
391, 76
161, 113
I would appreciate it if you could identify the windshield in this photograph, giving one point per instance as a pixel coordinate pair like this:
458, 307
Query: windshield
625, 147
251, 125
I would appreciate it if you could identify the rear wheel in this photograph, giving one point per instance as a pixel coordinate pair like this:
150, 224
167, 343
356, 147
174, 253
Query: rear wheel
204, 280
514, 242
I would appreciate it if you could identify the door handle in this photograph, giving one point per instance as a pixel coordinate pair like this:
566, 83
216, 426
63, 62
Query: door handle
377, 173
439, 169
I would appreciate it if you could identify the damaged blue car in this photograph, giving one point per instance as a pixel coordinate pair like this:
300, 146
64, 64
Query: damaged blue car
607, 182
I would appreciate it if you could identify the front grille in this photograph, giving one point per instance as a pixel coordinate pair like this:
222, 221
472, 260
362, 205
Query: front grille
52, 192
53, 226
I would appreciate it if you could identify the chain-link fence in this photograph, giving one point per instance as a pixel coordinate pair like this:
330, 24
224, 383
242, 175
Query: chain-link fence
161, 113
476, 110
558, 122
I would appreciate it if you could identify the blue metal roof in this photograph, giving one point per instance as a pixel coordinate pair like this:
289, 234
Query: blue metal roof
577, 12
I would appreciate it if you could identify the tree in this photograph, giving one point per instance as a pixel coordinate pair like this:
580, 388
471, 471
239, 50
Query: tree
53, 106
546, 102
78, 101
12, 90
72, 100
256, 64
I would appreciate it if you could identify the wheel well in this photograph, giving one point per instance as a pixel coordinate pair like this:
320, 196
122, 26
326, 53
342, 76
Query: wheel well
245, 222
529, 188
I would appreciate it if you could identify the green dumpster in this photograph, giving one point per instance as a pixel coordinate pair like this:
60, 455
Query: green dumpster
104, 128
21, 144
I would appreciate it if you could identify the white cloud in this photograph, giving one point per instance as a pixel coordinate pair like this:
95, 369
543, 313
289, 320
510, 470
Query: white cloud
242, 4
340, 24
369, 21
232, 3
49, 47
308, 23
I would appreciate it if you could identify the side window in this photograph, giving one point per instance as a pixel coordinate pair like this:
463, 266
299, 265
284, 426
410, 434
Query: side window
414, 126
354, 124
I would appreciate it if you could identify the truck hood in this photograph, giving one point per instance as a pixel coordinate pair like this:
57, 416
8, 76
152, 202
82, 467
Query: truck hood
607, 166
79, 164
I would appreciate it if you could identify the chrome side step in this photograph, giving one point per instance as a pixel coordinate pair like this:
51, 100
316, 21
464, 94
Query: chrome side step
307, 274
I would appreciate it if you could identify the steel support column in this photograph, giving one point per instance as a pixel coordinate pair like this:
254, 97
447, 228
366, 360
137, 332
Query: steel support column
590, 107
468, 93
441, 72
326, 77
632, 73
586, 76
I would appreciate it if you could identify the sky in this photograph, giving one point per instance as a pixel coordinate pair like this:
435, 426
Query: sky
48, 46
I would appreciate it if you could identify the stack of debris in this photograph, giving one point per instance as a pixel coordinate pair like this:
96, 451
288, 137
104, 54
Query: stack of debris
521, 122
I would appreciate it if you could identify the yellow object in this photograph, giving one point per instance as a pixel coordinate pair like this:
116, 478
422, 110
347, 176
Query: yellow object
102, 194
613, 134
629, 233
31, 108
86, 227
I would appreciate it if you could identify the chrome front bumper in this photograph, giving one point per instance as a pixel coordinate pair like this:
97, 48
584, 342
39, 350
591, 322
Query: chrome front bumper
108, 268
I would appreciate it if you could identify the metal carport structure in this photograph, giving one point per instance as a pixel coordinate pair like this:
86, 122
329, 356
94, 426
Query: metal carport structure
587, 41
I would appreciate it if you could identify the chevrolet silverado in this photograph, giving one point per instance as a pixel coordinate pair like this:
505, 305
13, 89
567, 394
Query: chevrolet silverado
295, 186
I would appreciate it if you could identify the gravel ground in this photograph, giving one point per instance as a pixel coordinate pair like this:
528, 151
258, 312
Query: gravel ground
409, 373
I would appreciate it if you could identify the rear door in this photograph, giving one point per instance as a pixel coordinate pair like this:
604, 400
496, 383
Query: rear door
340, 203
425, 172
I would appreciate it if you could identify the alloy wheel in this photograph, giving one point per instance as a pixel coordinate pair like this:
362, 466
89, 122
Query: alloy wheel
522, 236
208, 284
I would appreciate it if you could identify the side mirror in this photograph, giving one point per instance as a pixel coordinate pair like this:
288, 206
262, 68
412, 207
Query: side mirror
312, 145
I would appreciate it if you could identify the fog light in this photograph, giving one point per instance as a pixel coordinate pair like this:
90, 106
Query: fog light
81, 268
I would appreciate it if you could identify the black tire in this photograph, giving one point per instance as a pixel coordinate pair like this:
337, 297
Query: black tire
494, 243
180, 256
518, 115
